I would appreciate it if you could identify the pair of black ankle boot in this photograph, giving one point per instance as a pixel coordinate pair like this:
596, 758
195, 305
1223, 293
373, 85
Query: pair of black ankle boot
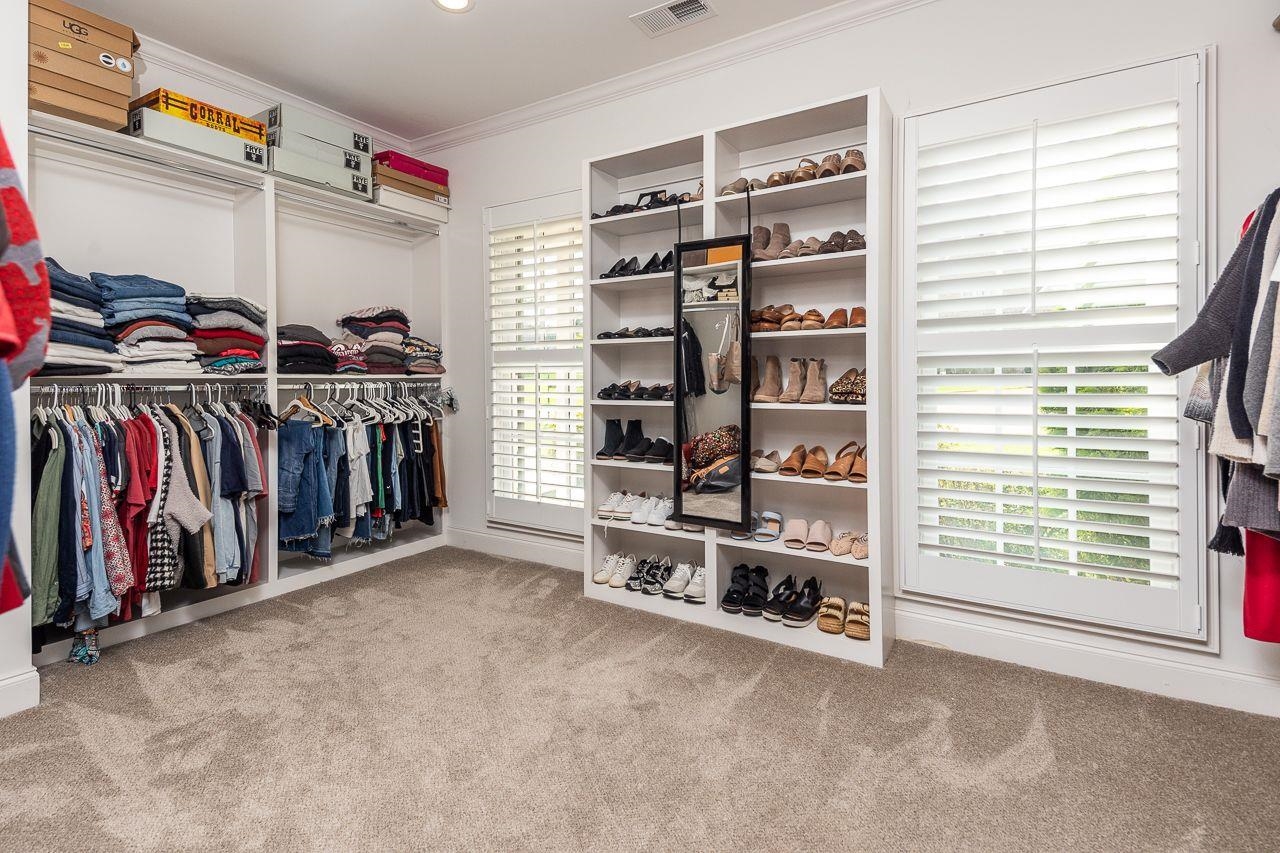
632, 446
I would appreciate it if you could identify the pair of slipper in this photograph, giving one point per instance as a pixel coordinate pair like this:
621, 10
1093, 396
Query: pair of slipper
765, 527
854, 621
801, 535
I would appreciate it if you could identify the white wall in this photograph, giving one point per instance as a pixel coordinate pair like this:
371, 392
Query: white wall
934, 55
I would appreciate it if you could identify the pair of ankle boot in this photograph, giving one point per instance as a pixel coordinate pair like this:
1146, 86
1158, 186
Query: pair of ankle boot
806, 381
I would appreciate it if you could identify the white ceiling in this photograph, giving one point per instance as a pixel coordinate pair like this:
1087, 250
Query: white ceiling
409, 68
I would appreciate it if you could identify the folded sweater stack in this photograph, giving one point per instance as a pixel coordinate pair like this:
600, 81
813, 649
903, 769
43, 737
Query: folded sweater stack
349, 353
230, 333
422, 357
382, 329
79, 344
304, 349
149, 321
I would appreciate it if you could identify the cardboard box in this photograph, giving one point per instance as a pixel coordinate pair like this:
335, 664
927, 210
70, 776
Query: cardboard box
395, 200
410, 189
383, 170
298, 143
68, 66
413, 166
60, 102
80, 50
83, 25
76, 87
180, 133
309, 170
199, 112
285, 117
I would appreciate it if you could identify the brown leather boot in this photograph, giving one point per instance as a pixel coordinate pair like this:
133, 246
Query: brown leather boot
779, 239
772, 385
795, 381
815, 382
759, 242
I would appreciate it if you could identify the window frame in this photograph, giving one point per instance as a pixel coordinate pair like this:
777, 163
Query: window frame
503, 512
1198, 576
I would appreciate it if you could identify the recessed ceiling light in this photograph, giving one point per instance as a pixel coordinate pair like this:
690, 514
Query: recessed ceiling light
456, 5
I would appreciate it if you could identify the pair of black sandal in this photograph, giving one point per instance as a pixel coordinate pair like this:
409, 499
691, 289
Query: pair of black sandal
651, 200
748, 590
628, 267
634, 390
794, 607
638, 332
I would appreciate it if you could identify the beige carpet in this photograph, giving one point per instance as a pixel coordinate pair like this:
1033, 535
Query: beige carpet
459, 701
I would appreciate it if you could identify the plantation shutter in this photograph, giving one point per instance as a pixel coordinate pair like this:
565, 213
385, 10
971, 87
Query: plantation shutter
1053, 247
536, 395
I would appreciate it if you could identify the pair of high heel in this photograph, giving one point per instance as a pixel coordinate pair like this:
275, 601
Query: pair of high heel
652, 200
631, 266
636, 390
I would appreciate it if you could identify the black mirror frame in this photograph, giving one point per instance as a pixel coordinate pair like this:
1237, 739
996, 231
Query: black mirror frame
744, 309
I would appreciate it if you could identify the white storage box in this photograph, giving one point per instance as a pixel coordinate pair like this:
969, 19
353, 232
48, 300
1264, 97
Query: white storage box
309, 170
159, 127
291, 140
405, 203
285, 117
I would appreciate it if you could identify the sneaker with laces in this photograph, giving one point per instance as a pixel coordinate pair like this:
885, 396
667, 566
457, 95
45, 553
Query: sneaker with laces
630, 503
636, 582
679, 581
696, 591
656, 577
661, 512
640, 515
605, 571
606, 509
622, 570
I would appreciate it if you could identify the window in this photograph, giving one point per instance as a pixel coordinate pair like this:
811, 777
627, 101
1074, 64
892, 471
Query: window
1051, 248
535, 342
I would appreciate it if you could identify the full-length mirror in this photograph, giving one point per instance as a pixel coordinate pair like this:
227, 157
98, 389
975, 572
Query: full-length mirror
713, 415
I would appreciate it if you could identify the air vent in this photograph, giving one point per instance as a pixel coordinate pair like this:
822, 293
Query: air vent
670, 17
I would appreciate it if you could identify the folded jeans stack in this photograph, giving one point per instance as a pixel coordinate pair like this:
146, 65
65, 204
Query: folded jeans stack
230, 333
382, 329
79, 344
422, 357
304, 349
149, 321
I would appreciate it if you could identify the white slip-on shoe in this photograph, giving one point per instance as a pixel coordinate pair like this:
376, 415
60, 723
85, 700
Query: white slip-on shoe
675, 587
605, 571
606, 509
640, 515
696, 590
629, 504
622, 571
692, 528
659, 514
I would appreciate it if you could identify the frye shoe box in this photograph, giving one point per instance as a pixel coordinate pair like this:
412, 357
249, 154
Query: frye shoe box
298, 143
309, 170
285, 117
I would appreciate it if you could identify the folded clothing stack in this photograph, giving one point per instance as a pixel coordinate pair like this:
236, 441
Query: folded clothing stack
149, 321
382, 329
304, 349
79, 344
422, 356
230, 333
349, 352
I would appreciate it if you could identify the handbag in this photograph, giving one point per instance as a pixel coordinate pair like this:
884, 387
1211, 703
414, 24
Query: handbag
720, 364
722, 475
717, 444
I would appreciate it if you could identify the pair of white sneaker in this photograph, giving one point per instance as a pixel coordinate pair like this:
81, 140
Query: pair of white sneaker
615, 570
689, 582
637, 508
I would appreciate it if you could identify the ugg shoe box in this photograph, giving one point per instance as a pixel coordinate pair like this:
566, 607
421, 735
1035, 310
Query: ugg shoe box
59, 101
92, 55
76, 24
300, 167
392, 199
294, 120
291, 140
180, 133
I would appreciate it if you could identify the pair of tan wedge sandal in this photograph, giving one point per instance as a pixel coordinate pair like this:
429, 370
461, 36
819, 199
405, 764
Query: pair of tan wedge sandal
850, 463
808, 170
853, 620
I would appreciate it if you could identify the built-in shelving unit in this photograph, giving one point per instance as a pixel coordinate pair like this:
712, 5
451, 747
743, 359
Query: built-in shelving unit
858, 200
109, 201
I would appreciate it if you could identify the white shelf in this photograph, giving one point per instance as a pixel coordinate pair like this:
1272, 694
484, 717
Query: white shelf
635, 466
711, 306
728, 266
759, 477
778, 548
597, 342
859, 332
830, 263
608, 525
634, 282
664, 403
138, 378
827, 408
359, 377
850, 187
295, 197
647, 221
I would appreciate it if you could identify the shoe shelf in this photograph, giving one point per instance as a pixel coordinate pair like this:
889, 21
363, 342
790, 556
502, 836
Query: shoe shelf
850, 187
858, 200
711, 306
836, 262
711, 269
811, 333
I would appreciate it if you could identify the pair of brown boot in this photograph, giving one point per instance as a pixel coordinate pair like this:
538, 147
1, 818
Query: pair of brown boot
806, 381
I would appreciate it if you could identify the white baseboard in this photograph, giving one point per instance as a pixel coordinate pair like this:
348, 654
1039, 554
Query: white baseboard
564, 555
19, 692
935, 626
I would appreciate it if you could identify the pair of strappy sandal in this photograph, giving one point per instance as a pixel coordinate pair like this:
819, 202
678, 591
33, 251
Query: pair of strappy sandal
634, 390
853, 620
651, 200
765, 527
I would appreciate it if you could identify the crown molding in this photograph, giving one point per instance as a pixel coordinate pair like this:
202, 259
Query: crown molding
158, 53
814, 25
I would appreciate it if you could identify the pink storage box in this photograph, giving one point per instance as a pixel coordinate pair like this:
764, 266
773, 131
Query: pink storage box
413, 166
